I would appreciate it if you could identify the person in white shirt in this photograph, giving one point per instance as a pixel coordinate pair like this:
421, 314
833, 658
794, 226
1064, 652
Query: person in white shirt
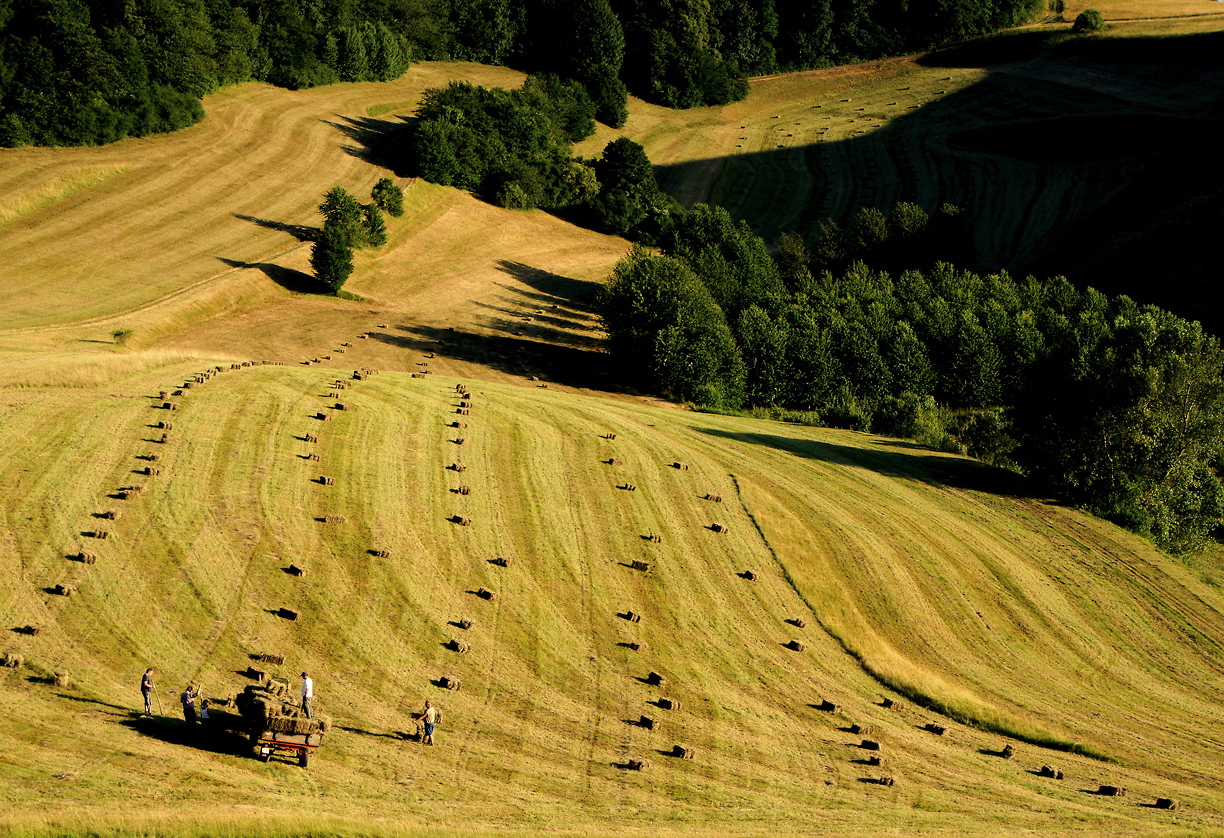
307, 695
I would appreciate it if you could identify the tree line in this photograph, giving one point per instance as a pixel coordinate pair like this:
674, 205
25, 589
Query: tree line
78, 72
1116, 406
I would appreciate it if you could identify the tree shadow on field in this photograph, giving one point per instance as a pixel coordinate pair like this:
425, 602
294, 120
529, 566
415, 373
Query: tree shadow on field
930, 468
551, 288
287, 278
513, 355
374, 139
301, 232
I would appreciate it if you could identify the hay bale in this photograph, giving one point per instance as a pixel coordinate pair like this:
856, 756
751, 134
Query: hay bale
749, 575
465, 490
341, 406
465, 403
798, 622
323, 417
628, 487
609, 436
86, 557
312, 457
860, 730
1050, 771
256, 674
458, 424
382, 553
877, 761
829, 707
170, 406
637, 765
163, 394
891, 704
1009, 751
1111, 791
714, 498
458, 646
885, 781
297, 570
642, 566
796, 646
165, 439
327, 481
680, 466
682, 751
656, 538
669, 703
101, 534
268, 657
64, 590
636, 645
449, 683
503, 561
869, 745
633, 616
61, 677
311, 438
485, 593
648, 723
32, 631
462, 411
938, 730
178, 392
612, 461
719, 528
462, 520
465, 623
1161, 802
164, 425
458, 467
13, 661
111, 514
335, 519
655, 679
460, 440
288, 614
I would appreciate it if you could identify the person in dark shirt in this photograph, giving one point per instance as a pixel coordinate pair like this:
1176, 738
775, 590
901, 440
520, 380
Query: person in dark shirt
146, 689
188, 698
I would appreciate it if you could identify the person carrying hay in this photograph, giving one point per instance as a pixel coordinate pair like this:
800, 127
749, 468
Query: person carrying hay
307, 695
430, 718
188, 699
146, 689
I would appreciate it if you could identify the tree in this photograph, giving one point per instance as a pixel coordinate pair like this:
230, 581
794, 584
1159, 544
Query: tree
388, 197
342, 211
1089, 20
375, 227
332, 257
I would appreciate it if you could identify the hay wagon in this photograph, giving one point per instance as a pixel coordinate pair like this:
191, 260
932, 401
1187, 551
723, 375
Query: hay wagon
277, 725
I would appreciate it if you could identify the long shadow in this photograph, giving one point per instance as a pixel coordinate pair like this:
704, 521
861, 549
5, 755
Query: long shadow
511, 354
1139, 202
553, 288
301, 232
932, 469
287, 278
198, 737
375, 140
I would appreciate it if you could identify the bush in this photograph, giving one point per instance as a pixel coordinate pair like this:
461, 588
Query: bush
1089, 20
375, 227
332, 257
388, 197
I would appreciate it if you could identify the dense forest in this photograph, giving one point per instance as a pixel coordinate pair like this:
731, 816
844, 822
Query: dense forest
1113, 405
92, 71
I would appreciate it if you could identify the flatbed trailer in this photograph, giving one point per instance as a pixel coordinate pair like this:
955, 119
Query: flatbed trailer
268, 742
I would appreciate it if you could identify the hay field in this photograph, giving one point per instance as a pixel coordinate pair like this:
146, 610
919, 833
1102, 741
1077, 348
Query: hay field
1034, 618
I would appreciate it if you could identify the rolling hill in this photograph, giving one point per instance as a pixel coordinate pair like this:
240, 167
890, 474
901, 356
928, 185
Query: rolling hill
894, 586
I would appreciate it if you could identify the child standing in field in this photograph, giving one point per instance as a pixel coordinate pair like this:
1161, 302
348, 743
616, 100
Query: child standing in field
430, 717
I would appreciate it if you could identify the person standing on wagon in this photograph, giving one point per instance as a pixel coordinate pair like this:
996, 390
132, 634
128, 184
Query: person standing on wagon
307, 695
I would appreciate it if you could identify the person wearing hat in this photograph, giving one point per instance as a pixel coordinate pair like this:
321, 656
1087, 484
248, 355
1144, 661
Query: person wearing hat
307, 695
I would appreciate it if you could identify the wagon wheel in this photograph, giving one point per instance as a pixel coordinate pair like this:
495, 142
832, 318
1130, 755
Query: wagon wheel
304, 758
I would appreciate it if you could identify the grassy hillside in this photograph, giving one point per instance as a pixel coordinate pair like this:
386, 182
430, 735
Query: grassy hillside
928, 579
904, 564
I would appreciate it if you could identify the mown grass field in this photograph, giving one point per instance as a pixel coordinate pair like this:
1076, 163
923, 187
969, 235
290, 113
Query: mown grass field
920, 577
1030, 617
